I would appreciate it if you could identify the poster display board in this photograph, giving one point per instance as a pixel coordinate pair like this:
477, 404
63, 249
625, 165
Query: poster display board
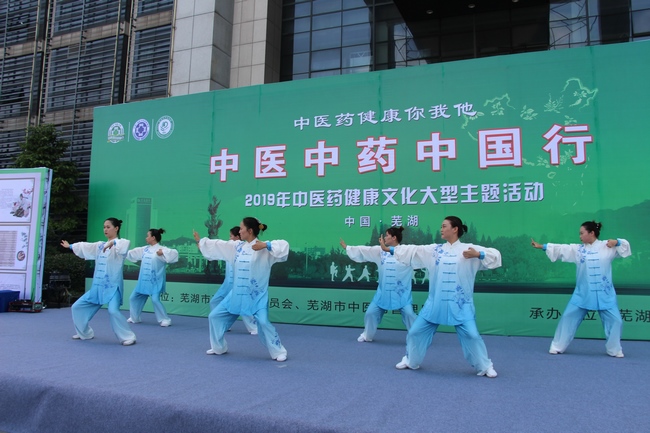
24, 205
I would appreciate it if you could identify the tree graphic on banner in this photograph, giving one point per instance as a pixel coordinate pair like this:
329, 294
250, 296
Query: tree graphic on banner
213, 224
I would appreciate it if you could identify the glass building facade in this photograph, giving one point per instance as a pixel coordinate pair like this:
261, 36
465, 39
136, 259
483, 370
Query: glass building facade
62, 58
334, 37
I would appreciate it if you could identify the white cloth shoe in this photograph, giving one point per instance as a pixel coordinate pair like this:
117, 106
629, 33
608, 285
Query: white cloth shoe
165, 323
78, 337
281, 358
128, 342
404, 364
619, 354
362, 338
490, 372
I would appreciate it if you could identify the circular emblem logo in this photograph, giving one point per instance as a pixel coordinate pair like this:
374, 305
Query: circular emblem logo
164, 127
115, 133
141, 129
20, 256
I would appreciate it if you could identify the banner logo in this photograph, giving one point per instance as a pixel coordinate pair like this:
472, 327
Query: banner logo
115, 133
141, 129
164, 127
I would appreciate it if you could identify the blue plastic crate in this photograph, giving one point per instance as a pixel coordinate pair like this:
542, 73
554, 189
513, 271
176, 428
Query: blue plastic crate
7, 296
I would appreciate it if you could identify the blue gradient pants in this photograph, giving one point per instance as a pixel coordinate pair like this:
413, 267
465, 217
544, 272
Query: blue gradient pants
83, 311
249, 321
137, 301
571, 320
421, 334
220, 320
374, 314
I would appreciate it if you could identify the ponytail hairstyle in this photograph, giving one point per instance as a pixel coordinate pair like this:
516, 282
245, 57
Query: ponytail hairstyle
116, 223
397, 232
255, 225
456, 222
157, 233
235, 232
593, 226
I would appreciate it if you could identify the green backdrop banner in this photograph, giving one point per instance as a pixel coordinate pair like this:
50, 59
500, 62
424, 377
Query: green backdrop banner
521, 146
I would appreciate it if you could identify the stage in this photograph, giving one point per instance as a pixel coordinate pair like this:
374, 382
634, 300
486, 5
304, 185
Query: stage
51, 383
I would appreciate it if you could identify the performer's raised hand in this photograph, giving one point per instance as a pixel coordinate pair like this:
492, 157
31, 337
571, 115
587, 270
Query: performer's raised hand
535, 244
259, 245
108, 245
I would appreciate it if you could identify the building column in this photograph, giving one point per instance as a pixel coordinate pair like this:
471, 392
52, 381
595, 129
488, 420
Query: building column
256, 40
201, 46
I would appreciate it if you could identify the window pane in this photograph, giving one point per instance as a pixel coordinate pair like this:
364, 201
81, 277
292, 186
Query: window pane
457, 46
301, 63
301, 25
150, 7
569, 31
323, 6
641, 22
566, 10
328, 59
326, 73
640, 4
302, 9
151, 62
354, 35
357, 56
301, 42
329, 38
358, 70
349, 4
326, 21
356, 16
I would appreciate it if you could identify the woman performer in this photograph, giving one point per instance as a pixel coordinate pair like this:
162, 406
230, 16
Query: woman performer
252, 261
594, 288
226, 287
151, 281
108, 283
453, 267
394, 288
